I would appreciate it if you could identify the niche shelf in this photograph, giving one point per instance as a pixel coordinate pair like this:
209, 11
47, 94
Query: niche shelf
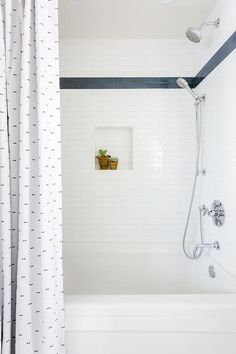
118, 141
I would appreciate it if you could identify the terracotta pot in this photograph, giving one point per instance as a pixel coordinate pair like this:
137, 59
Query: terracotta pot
113, 164
103, 162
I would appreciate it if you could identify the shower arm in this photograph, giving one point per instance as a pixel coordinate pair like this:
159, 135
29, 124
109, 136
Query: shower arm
210, 23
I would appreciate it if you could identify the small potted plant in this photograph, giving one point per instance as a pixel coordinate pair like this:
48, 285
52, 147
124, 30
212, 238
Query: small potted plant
114, 163
103, 159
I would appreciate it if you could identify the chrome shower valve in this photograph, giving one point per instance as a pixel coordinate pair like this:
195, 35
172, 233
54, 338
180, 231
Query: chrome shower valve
217, 212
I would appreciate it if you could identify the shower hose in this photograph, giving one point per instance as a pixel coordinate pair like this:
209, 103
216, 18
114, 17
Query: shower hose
198, 253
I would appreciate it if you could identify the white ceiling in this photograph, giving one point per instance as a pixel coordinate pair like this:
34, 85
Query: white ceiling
126, 19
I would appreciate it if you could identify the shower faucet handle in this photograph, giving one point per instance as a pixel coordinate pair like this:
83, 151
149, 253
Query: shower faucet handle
212, 213
217, 212
203, 209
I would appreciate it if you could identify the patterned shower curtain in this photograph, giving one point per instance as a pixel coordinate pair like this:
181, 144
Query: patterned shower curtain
31, 279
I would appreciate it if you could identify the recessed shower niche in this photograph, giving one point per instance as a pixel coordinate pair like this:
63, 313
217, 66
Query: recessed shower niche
118, 141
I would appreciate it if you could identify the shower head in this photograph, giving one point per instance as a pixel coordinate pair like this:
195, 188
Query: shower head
194, 34
182, 83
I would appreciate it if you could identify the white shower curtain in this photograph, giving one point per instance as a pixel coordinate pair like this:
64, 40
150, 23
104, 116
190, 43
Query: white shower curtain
30, 180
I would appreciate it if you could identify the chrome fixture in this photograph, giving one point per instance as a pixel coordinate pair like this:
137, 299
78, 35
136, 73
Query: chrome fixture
194, 33
202, 246
199, 100
217, 213
182, 83
211, 271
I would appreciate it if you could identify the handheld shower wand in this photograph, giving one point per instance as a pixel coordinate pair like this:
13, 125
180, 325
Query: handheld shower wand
182, 83
197, 252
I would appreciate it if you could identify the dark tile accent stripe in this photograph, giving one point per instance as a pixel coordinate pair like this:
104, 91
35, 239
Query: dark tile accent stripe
149, 82
216, 59
121, 82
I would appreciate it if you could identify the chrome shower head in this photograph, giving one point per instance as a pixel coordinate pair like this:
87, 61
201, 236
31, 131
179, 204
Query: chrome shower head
194, 34
182, 83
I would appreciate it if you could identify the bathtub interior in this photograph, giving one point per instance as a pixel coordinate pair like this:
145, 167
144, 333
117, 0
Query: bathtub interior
152, 273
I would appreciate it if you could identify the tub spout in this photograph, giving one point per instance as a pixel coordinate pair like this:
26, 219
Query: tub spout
215, 245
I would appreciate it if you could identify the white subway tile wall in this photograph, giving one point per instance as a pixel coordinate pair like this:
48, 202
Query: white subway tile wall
148, 202
220, 137
140, 213
213, 38
104, 58
133, 210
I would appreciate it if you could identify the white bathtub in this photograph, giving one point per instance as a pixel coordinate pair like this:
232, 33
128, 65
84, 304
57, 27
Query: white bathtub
183, 310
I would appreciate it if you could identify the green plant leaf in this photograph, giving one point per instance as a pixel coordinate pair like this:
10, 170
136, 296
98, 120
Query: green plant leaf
102, 152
